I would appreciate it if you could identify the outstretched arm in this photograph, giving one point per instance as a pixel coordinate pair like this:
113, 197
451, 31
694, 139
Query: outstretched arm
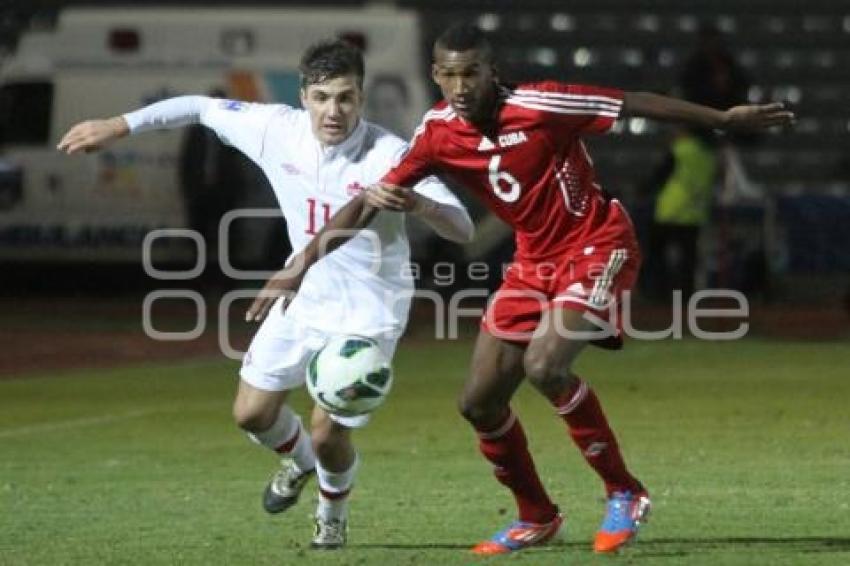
668, 109
92, 135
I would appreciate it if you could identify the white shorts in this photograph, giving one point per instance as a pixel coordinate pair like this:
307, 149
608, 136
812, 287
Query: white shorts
280, 351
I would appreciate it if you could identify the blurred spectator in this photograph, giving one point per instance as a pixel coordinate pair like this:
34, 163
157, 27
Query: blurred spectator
682, 208
209, 179
388, 104
711, 76
683, 185
257, 243
215, 178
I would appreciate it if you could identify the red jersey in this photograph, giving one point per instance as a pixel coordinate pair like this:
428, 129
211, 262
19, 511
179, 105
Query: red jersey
534, 172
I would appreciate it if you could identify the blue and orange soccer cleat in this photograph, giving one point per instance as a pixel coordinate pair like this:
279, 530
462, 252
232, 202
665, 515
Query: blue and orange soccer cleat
519, 535
623, 517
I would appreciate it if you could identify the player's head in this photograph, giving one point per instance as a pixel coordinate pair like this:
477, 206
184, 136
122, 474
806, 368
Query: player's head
388, 103
464, 70
332, 89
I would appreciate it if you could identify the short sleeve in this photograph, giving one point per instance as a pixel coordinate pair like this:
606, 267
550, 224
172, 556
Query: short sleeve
433, 188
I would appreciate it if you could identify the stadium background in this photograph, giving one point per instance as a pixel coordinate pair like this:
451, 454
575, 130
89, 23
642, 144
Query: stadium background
776, 400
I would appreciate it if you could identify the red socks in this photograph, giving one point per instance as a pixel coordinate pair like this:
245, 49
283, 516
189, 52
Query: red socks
580, 409
507, 449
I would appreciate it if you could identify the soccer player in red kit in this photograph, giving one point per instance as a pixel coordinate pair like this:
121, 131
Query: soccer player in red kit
519, 149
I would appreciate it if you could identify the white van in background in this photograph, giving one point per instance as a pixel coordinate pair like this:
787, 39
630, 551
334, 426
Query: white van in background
102, 62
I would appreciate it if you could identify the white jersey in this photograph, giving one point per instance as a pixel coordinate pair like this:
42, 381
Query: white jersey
362, 287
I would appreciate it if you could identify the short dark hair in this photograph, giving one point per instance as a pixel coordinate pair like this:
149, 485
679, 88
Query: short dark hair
330, 59
464, 37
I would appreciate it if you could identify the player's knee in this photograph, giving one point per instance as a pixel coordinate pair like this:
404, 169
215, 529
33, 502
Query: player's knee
323, 445
326, 442
476, 412
544, 374
252, 419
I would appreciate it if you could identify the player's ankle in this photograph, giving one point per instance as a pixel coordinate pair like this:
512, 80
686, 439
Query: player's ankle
540, 514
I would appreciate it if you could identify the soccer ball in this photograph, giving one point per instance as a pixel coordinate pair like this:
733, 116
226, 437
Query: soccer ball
349, 376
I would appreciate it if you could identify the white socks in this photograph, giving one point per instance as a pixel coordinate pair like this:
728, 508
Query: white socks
287, 437
333, 491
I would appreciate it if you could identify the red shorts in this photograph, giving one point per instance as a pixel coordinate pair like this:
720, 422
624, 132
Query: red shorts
591, 280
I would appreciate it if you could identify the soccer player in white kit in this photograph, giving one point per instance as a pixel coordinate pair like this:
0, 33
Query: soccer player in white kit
316, 159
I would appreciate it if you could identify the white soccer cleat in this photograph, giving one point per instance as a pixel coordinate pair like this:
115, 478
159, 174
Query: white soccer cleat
285, 487
330, 533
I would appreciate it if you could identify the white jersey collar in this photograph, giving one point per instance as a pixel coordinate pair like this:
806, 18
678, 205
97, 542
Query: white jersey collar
349, 145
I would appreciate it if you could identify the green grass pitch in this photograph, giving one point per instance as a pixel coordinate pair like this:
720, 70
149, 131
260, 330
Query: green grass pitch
744, 446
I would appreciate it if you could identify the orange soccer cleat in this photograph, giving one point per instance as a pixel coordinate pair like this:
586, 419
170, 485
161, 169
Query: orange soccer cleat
519, 535
624, 515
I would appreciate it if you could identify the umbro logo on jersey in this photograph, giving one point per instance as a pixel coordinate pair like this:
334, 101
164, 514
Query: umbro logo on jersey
486, 144
513, 138
290, 168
